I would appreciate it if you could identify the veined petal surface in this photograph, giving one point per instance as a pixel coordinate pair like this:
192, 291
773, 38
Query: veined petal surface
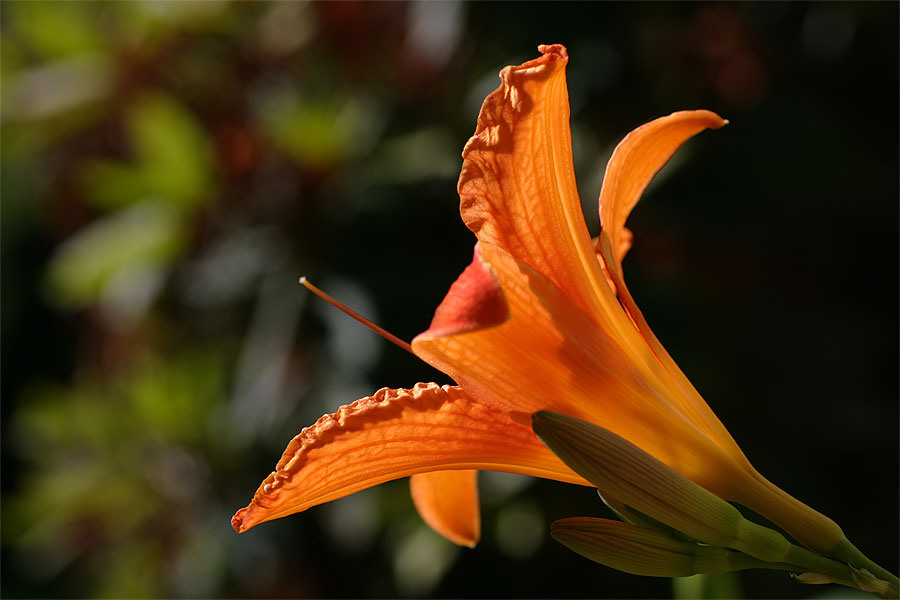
393, 434
550, 354
517, 187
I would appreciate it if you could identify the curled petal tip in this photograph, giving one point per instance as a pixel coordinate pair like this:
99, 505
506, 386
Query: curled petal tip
249, 517
557, 49
237, 521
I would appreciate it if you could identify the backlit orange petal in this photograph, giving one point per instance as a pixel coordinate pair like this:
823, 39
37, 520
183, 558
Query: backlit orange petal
517, 186
635, 161
551, 355
549, 350
517, 191
393, 434
448, 502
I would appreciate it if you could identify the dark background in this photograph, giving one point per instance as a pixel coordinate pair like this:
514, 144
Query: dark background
170, 169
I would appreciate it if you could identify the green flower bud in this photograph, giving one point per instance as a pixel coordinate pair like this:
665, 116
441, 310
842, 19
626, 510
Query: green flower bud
642, 551
642, 483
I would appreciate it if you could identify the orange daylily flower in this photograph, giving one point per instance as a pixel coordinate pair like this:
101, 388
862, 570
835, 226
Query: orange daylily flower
540, 320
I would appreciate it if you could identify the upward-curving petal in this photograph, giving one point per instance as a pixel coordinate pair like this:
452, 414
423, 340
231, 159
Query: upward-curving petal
393, 434
518, 193
635, 161
517, 187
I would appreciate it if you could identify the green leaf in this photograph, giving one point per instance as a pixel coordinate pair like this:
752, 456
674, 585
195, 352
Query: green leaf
138, 241
173, 161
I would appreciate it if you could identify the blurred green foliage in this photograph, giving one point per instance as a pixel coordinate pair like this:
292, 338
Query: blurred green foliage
172, 160
125, 475
721, 586
170, 168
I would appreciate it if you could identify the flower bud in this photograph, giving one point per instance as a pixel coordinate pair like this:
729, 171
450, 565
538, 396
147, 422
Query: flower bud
642, 483
642, 551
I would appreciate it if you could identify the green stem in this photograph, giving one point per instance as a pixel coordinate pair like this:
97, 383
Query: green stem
843, 573
848, 553
814, 530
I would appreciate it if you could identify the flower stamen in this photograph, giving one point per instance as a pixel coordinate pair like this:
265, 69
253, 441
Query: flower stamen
348, 311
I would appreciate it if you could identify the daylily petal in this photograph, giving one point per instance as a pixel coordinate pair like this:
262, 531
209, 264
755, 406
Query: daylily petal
393, 434
538, 321
448, 502
536, 356
551, 355
635, 161
475, 301
517, 187
633, 164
